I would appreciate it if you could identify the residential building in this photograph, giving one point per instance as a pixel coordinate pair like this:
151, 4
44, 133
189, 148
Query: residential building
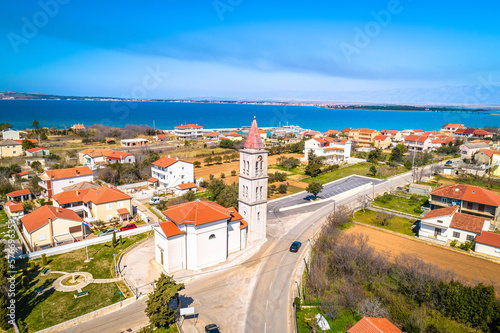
390, 133
374, 325
263, 134
37, 151
214, 135
481, 134
483, 157
363, 137
99, 158
335, 151
20, 195
312, 134
50, 226
472, 200
233, 136
160, 137
171, 172
189, 132
197, 235
463, 133
467, 150
451, 128
448, 224
10, 148
134, 142
13, 209
11, 134
182, 189
438, 142
93, 204
34, 141
382, 141
53, 181
331, 132
418, 143
252, 192
25, 176
495, 163
78, 127
488, 243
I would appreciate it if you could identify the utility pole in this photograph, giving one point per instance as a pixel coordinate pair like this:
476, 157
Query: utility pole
412, 166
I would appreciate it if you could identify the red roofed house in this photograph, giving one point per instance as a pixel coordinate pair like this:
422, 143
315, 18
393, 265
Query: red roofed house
37, 151
363, 136
93, 204
78, 127
418, 143
481, 134
25, 175
382, 141
374, 325
263, 134
451, 128
472, 200
233, 136
334, 150
14, 209
182, 189
438, 142
447, 224
331, 132
51, 226
189, 132
99, 158
20, 195
160, 137
53, 181
214, 135
488, 243
172, 172
198, 234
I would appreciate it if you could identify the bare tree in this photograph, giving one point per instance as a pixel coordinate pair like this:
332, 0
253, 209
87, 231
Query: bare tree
371, 307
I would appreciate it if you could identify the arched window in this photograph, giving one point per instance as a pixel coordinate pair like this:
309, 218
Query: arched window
261, 195
248, 167
258, 216
212, 236
256, 193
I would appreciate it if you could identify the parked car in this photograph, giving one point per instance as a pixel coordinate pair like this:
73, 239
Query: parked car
128, 227
107, 231
212, 328
449, 162
295, 246
154, 201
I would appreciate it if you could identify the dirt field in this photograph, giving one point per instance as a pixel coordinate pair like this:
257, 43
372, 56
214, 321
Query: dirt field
468, 267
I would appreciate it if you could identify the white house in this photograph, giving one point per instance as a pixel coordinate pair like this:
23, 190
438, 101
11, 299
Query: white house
37, 151
171, 172
188, 132
98, 158
11, 134
182, 189
447, 224
488, 243
263, 134
420, 143
53, 181
198, 234
335, 150
134, 142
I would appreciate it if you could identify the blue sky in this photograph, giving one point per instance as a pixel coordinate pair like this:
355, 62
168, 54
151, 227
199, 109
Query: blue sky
391, 51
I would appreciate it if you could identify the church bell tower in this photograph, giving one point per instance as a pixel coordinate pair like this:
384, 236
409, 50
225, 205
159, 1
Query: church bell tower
252, 201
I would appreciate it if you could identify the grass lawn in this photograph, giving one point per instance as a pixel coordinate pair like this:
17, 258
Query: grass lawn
362, 169
343, 320
6, 232
394, 223
291, 190
100, 267
171, 329
408, 206
3, 217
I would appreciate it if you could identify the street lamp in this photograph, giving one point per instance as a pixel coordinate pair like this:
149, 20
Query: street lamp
114, 261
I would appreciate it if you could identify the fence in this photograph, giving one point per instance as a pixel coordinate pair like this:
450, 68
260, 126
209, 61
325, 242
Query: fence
78, 245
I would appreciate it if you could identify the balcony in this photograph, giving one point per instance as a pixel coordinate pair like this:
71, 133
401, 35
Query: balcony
43, 184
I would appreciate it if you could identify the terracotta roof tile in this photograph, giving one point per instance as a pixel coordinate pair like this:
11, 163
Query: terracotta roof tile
468, 193
189, 126
68, 197
122, 211
32, 150
165, 162
467, 222
68, 173
170, 229
374, 325
19, 193
254, 140
489, 238
199, 212
381, 137
40, 217
441, 212
186, 186
14, 207
105, 195
152, 180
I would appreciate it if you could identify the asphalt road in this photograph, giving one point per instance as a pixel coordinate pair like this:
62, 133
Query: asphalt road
270, 309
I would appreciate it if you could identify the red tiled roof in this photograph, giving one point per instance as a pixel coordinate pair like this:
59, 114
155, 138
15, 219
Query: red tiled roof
215, 133
366, 130
186, 186
200, 212
374, 325
481, 132
165, 162
122, 211
68, 173
460, 131
32, 150
333, 148
346, 130
381, 137
161, 136
14, 207
489, 238
418, 130
416, 138
170, 228
441, 212
468, 193
40, 217
20, 174
451, 125
243, 224
152, 180
35, 141
117, 155
254, 140
488, 152
467, 222
189, 126
18, 193
105, 194
70, 196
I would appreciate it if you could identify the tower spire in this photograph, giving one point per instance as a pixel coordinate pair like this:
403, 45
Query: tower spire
254, 141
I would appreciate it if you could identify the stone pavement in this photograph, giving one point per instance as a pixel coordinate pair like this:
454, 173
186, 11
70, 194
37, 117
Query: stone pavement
88, 279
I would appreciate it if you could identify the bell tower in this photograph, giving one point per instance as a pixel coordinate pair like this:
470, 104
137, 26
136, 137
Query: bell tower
252, 200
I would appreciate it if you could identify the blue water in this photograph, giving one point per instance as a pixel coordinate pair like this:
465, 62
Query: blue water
21, 114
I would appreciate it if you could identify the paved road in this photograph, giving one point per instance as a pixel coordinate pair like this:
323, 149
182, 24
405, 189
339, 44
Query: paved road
270, 309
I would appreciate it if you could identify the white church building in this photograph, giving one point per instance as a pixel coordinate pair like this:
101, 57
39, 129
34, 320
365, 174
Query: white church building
200, 234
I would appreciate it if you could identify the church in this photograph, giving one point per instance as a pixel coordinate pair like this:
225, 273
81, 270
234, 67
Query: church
200, 234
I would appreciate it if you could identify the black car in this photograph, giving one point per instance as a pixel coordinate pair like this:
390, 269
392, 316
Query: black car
212, 328
295, 246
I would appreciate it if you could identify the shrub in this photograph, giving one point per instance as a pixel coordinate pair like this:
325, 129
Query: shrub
44, 259
296, 301
204, 184
283, 188
233, 172
32, 266
222, 175
211, 177
453, 243
467, 246
418, 210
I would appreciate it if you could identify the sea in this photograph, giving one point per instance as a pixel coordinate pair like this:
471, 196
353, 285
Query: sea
167, 115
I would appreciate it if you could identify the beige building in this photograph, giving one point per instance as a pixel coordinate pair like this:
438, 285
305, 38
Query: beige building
50, 226
10, 148
382, 141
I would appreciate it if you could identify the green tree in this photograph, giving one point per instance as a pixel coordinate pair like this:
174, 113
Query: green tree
373, 170
375, 154
208, 160
44, 259
314, 188
32, 266
37, 166
222, 175
227, 144
35, 125
233, 172
397, 153
5, 126
290, 163
218, 159
4, 265
25, 282
228, 197
227, 158
215, 187
197, 164
113, 241
27, 144
157, 305
313, 167
282, 188
189, 196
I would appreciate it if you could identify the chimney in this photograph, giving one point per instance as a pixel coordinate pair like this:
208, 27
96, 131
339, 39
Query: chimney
177, 158
168, 156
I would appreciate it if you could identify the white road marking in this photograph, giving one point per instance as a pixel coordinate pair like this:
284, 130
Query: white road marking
267, 303
265, 327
